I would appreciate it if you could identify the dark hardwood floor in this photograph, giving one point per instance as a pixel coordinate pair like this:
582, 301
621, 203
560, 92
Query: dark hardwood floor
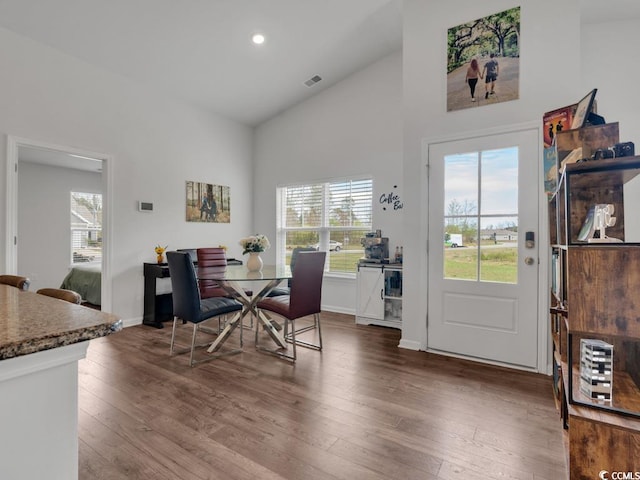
362, 409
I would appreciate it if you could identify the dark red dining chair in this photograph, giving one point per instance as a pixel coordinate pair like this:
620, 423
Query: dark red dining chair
15, 281
286, 290
211, 257
302, 301
215, 257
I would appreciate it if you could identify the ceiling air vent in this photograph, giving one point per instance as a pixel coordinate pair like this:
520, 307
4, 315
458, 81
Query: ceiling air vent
313, 80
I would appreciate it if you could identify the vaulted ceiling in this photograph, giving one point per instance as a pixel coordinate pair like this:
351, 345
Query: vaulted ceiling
201, 51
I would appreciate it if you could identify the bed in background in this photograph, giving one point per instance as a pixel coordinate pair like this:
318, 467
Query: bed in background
86, 280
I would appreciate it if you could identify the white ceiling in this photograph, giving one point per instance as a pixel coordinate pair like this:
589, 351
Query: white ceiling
200, 50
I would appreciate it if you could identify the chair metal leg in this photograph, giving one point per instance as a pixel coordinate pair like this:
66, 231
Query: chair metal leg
293, 337
222, 321
191, 349
281, 353
193, 343
173, 335
290, 337
317, 319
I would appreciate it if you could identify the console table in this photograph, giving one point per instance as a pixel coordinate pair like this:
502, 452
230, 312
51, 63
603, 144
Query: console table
157, 308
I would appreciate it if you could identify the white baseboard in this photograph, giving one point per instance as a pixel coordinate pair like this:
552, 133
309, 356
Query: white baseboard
410, 345
485, 361
132, 322
346, 311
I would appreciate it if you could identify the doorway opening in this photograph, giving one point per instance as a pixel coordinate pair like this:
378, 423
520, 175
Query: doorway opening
40, 219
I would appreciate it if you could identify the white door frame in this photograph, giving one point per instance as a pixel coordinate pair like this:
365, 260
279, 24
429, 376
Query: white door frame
544, 360
11, 254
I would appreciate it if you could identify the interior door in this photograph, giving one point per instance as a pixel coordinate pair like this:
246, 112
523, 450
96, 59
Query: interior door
483, 294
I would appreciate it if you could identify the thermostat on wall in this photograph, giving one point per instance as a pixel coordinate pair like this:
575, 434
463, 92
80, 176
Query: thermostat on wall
145, 206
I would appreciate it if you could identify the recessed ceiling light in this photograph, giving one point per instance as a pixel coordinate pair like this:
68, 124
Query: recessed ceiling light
258, 39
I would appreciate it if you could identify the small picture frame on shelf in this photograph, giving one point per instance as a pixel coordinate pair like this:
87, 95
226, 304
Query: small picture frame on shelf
555, 121
583, 109
598, 218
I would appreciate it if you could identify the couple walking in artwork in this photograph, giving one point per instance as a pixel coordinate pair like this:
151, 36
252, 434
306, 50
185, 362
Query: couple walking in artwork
489, 74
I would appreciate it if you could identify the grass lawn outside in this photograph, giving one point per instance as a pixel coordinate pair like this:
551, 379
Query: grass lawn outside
341, 262
496, 264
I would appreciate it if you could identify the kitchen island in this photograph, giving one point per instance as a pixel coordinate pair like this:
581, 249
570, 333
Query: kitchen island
41, 341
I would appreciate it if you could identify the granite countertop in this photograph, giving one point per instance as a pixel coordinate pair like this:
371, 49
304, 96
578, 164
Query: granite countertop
30, 322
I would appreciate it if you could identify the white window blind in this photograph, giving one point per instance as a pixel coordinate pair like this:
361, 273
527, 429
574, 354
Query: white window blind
328, 216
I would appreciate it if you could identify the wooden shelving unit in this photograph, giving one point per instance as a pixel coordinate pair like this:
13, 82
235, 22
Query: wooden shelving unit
595, 294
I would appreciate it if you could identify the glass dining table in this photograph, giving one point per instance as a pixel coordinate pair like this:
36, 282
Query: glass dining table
233, 279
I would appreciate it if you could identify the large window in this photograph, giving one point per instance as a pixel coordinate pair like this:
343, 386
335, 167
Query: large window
331, 216
86, 227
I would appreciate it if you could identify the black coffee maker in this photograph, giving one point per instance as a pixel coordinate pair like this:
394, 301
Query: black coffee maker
376, 249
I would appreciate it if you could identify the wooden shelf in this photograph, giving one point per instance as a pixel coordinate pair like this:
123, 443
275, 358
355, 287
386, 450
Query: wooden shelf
586, 184
625, 396
596, 300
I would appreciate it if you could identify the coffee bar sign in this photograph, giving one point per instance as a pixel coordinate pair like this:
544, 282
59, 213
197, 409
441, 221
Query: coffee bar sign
391, 200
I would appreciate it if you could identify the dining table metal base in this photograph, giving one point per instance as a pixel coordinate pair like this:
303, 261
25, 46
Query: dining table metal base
249, 308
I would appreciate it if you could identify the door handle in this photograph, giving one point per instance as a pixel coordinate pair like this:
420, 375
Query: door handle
529, 260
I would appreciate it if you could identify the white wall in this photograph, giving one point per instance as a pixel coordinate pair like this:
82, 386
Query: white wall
609, 53
549, 62
353, 128
156, 144
610, 64
43, 219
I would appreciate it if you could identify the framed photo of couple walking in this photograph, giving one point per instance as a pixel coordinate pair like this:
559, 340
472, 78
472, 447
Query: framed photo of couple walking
483, 61
207, 203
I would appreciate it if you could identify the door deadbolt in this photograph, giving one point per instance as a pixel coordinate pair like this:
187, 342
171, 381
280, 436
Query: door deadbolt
529, 240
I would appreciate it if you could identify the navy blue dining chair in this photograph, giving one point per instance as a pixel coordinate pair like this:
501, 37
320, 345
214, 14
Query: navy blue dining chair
189, 307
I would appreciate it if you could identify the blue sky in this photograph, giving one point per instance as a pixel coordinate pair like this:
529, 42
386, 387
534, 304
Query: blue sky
497, 193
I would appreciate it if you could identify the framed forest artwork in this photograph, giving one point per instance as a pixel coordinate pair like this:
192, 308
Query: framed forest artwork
207, 203
483, 61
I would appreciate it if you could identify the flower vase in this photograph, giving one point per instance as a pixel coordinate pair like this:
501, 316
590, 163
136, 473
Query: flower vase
160, 258
254, 263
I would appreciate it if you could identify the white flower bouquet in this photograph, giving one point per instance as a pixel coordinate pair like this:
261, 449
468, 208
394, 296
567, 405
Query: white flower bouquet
254, 243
